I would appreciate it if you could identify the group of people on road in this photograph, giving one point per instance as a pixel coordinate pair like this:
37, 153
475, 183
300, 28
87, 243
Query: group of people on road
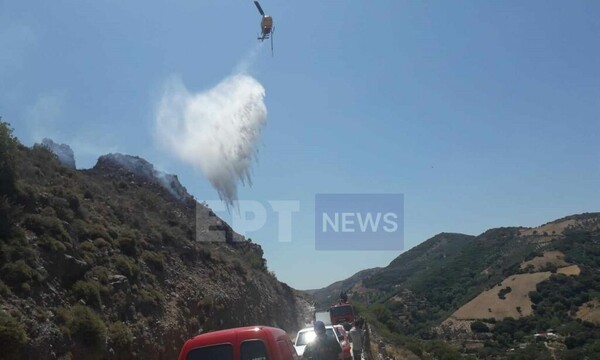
324, 347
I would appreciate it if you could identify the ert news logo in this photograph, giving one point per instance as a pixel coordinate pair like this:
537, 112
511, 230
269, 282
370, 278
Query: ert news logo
359, 222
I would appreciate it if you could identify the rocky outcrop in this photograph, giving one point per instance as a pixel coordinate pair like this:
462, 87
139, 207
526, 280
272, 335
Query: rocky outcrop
62, 151
142, 171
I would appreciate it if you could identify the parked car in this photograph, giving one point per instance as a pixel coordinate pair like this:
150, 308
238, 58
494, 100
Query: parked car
244, 343
307, 335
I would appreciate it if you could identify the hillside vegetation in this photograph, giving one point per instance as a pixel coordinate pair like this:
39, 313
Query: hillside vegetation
488, 295
114, 262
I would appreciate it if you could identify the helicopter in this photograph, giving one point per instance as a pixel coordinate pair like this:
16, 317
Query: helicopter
266, 26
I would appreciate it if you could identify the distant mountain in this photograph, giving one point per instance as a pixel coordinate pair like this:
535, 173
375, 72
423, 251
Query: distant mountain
507, 280
119, 261
330, 294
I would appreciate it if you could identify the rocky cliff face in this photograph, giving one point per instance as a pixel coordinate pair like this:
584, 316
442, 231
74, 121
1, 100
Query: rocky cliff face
141, 171
115, 262
62, 151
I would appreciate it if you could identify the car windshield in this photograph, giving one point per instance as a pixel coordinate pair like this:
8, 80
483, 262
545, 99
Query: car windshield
304, 337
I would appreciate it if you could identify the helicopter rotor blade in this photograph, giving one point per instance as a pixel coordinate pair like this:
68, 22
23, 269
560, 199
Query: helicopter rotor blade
260, 10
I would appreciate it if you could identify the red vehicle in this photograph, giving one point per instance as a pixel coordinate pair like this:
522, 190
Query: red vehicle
341, 313
244, 343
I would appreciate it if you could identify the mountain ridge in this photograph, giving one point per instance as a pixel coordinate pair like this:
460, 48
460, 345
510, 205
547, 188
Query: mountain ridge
436, 290
108, 263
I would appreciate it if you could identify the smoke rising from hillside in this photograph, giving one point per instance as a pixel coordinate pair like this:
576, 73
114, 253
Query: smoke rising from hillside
216, 131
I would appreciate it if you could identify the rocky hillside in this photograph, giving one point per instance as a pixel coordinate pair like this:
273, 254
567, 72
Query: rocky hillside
491, 293
119, 261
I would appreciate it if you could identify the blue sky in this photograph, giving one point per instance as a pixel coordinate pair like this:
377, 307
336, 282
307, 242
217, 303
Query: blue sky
481, 113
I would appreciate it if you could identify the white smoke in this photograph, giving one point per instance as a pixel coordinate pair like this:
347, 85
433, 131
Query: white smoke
216, 131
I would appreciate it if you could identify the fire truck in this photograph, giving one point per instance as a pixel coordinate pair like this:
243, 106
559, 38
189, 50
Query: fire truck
341, 312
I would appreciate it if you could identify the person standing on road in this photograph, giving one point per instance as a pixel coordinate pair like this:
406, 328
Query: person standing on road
322, 347
356, 336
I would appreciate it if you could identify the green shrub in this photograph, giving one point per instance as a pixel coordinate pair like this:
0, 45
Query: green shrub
25, 288
149, 301
43, 157
90, 231
382, 313
100, 273
535, 297
4, 290
502, 293
61, 208
8, 147
49, 243
88, 246
128, 245
5, 216
16, 248
256, 261
479, 327
45, 225
238, 267
154, 260
150, 200
205, 254
168, 238
74, 202
66, 356
121, 337
86, 328
19, 272
550, 267
88, 195
442, 351
88, 291
100, 243
13, 337
127, 266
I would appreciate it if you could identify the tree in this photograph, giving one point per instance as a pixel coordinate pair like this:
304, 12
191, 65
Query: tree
8, 146
13, 338
570, 342
8, 186
479, 327
535, 297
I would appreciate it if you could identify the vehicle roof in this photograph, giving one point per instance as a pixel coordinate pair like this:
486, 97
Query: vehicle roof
341, 304
332, 327
236, 334
311, 328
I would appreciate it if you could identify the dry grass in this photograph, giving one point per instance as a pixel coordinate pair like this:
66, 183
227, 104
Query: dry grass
590, 311
555, 257
556, 228
488, 305
572, 270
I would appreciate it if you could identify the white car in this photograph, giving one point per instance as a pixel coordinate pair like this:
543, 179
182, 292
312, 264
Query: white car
307, 335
